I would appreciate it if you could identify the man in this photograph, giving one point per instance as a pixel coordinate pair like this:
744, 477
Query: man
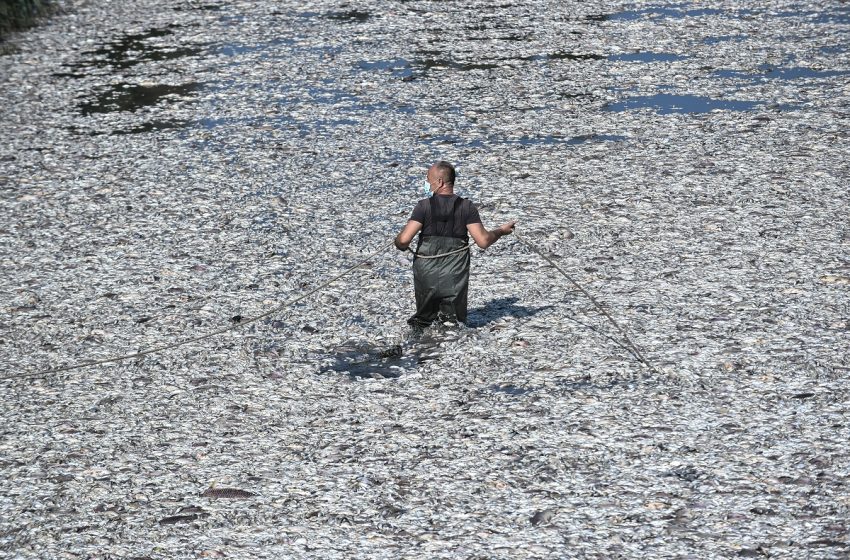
444, 222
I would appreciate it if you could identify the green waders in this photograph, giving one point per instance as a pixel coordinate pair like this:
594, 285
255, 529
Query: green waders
441, 284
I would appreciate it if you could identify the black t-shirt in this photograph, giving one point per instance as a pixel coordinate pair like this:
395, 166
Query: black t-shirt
465, 214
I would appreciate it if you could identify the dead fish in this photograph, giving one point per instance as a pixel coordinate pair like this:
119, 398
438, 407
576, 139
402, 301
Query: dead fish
543, 517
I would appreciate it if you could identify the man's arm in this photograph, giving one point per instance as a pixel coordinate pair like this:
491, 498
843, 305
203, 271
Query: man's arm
404, 238
484, 238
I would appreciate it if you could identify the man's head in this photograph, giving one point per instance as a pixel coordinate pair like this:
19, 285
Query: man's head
441, 177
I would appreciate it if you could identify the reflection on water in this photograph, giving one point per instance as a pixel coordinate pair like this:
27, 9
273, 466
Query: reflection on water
130, 97
131, 50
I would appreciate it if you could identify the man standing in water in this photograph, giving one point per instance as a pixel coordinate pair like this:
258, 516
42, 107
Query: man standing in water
443, 222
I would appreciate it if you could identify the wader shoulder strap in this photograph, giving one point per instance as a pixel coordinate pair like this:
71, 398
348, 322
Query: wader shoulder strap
438, 221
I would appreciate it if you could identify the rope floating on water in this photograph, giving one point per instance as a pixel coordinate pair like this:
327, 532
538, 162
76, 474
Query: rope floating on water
632, 348
198, 338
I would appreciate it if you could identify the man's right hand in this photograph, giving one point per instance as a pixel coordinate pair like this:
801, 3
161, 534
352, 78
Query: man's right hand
508, 228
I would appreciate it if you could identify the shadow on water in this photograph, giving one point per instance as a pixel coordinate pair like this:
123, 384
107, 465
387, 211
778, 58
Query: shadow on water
366, 361
500, 308
130, 97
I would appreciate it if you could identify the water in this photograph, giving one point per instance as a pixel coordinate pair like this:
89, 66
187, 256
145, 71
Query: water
157, 44
130, 50
369, 362
772, 72
646, 57
131, 97
672, 218
666, 103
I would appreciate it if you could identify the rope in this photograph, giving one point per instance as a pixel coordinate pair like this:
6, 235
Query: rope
418, 256
631, 346
198, 338
634, 350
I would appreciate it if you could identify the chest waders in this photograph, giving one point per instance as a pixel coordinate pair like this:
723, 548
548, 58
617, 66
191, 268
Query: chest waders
441, 284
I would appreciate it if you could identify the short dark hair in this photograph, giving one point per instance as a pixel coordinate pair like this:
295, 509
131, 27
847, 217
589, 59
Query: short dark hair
446, 171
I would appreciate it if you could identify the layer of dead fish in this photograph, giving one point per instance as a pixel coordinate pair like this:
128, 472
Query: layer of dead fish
171, 168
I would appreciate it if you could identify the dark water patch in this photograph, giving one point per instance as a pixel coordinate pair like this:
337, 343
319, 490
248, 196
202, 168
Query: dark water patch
199, 7
349, 16
666, 103
564, 55
511, 38
646, 57
657, 12
771, 72
130, 97
134, 49
7, 48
